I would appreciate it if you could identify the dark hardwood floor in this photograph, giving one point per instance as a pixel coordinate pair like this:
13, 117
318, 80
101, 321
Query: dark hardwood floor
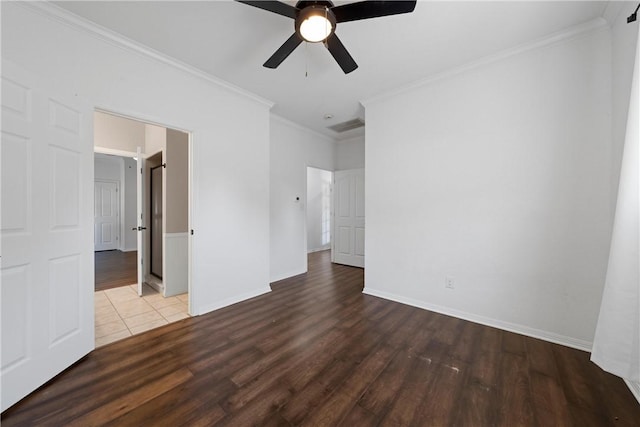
115, 269
316, 351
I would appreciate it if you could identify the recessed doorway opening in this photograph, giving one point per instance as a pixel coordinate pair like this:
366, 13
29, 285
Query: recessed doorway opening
319, 187
142, 216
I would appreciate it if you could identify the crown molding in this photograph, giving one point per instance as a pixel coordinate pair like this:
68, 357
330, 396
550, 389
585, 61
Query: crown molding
612, 11
99, 32
299, 127
597, 24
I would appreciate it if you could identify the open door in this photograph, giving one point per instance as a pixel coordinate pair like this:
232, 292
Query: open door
140, 218
348, 204
47, 232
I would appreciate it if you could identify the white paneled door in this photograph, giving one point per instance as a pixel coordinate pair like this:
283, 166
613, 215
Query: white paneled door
46, 232
348, 208
106, 216
140, 218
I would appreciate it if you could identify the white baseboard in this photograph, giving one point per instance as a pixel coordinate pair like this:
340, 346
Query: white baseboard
175, 274
287, 275
326, 248
135, 248
635, 389
229, 301
155, 283
496, 323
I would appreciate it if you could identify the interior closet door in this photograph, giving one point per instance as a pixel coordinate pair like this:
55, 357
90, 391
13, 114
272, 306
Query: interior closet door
156, 222
106, 216
47, 232
348, 202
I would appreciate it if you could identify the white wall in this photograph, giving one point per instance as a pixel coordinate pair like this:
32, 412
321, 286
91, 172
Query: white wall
350, 153
624, 38
107, 167
230, 247
317, 181
292, 149
499, 176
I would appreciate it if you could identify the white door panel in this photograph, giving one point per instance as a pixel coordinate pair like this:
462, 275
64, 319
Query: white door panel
140, 191
46, 230
349, 217
106, 221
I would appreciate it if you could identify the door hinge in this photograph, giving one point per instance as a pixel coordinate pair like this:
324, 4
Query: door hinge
164, 165
192, 232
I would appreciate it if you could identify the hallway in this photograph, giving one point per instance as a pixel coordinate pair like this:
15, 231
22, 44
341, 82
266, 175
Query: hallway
115, 268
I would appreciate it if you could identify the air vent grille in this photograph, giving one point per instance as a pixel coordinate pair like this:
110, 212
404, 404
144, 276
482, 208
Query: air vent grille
348, 125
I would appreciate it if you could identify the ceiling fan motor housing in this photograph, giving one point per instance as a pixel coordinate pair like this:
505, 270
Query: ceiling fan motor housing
314, 8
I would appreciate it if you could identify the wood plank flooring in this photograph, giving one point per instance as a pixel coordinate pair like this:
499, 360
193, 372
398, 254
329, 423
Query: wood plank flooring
115, 268
318, 352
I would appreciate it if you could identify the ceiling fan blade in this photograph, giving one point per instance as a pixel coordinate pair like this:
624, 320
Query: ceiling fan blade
274, 6
340, 54
371, 9
284, 51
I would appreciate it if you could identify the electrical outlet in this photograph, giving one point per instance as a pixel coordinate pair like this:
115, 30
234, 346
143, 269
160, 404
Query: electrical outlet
449, 282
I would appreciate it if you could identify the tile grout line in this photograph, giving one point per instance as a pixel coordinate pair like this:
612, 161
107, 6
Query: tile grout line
162, 317
118, 313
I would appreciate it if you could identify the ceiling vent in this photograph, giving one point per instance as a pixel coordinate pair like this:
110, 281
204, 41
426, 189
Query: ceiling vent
348, 125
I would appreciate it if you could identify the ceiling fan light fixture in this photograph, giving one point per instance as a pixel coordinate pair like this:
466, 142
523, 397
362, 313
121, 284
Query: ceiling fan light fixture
314, 24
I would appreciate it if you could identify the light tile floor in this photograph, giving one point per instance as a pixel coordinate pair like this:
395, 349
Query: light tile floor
120, 312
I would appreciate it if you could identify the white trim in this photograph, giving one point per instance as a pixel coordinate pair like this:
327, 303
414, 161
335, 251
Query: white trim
230, 301
612, 11
561, 36
324, 248
113, 152
123, 186
288, 275
120, 207
138, 117
79, 23
635, 389
495, 323
181, 234
302, 128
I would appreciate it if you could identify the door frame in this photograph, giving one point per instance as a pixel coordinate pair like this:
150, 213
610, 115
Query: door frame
306, 208
120, 223
150, 222
119, 153
355, 171
191, 184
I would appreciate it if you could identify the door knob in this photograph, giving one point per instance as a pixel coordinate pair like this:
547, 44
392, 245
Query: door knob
139, 228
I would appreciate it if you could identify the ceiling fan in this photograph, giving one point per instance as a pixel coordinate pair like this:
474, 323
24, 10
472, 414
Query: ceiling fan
315, 21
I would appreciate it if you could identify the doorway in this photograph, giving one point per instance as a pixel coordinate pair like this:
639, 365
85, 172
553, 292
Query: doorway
156, 291
319, 187
107, 215
349, 218
155, 223
114, 216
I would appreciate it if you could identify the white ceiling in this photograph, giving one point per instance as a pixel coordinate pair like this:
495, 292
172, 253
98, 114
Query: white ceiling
231, 41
